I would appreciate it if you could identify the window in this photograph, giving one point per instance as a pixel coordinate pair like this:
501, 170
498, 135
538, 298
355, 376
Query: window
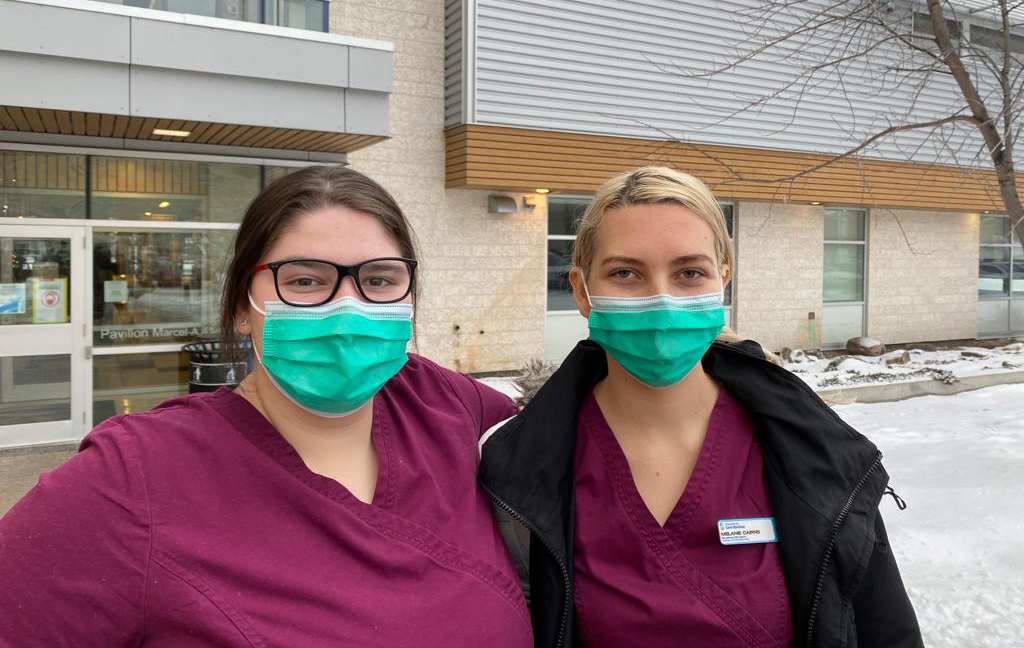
993, 38
157, 286
124, 188
41, 185
301, 14
844, 255
729, 210
1001, 261
564, 212
923, 27
1000, 278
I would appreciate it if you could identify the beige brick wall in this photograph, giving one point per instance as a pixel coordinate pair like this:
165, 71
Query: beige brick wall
922, 275
482, 306
779, 272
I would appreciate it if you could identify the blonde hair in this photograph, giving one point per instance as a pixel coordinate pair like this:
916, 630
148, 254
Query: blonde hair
648, 185
652, 184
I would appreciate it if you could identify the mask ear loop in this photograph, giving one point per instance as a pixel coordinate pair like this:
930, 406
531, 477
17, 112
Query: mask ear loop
586, 291
262, 312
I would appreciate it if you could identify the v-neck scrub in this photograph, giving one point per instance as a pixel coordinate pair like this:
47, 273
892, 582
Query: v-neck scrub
637, 583
197, 525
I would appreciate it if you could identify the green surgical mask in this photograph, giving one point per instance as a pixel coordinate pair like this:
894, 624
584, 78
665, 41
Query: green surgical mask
332, 359
657, 339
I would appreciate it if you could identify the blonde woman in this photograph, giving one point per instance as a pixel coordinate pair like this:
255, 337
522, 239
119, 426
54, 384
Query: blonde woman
674, 490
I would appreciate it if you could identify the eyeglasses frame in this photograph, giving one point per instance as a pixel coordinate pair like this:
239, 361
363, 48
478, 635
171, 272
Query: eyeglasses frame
343, 271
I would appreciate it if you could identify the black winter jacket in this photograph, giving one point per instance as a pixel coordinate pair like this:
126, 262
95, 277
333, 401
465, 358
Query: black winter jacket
825, 480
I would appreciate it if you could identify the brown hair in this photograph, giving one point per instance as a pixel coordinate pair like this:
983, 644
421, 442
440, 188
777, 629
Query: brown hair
286, 199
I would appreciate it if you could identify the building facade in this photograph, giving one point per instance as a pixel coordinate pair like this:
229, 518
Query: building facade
903, 242
131, 140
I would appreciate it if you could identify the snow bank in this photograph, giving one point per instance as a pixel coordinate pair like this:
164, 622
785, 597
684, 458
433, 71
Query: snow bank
901, 366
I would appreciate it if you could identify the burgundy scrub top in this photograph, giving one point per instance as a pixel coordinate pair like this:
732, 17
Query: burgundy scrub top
639, 584
197, 525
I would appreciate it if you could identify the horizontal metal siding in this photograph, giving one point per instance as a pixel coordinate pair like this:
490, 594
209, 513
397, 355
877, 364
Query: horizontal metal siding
453, 61
609, 67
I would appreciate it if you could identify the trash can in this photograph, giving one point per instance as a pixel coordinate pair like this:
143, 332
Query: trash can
208, 370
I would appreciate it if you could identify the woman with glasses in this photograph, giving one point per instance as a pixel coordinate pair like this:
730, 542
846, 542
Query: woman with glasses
330, 500
675, 490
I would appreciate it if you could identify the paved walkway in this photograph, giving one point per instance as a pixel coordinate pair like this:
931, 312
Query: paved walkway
20, 468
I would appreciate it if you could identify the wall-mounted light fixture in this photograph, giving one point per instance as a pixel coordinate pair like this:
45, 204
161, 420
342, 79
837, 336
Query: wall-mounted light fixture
529, 202
163, 132
502, 205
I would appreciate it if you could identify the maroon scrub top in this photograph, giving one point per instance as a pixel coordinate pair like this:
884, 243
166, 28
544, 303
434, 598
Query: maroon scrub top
639, 584
197, 525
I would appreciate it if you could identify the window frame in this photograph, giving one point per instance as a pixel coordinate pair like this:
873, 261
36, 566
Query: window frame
863, 243
731, 224
1015, 256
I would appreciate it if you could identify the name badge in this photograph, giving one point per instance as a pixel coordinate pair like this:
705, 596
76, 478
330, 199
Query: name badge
747, 531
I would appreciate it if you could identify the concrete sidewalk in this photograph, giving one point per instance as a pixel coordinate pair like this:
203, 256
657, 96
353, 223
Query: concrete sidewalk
20, 468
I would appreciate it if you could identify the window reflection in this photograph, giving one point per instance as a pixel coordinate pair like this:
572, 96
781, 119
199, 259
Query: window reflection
35, 389
41, 185
171, 190
134, 382
153, 287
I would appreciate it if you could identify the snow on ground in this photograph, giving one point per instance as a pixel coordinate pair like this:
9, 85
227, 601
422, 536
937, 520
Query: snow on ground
900, 366
506, 385
958, 461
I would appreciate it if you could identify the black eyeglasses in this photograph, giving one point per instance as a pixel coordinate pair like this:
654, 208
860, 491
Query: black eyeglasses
313, 282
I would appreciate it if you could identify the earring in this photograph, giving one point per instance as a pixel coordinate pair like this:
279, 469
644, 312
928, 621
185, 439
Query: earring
243, 321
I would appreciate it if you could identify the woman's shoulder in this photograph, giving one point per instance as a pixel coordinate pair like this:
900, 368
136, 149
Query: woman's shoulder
428, 381
423, 373
171, 426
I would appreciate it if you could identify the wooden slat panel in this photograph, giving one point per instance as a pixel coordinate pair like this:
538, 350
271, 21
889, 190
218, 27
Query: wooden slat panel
49, 121
6, 121
296, 141
189, 126
78, 123
198, 131
34, 120
92, 124
224, 133
240, 134
134, 127
210, 132
510, 158
120, 126
18, 116
64, 122
282, 135
106, 125
146, 129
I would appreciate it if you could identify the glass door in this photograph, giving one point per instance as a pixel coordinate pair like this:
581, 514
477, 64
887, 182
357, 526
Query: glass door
42, 334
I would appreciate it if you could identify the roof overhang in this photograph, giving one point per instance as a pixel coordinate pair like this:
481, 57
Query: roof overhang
75, 68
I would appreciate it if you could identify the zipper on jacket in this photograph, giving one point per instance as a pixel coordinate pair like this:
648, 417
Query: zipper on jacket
561, 563
833, 536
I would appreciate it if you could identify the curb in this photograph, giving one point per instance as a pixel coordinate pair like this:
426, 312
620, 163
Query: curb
891, 392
